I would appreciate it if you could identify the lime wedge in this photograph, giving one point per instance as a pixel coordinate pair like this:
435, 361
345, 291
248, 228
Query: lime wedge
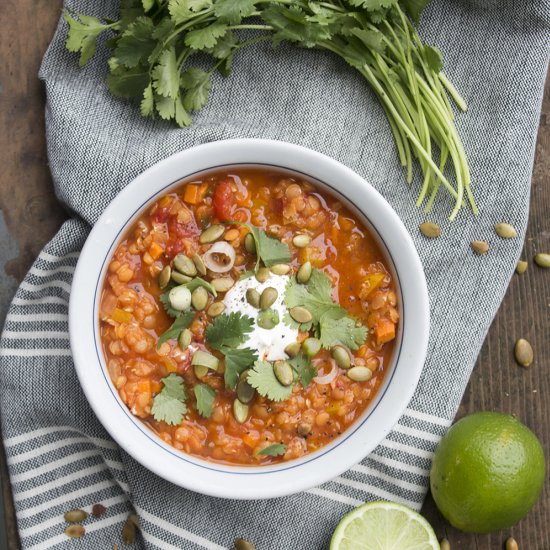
383, 526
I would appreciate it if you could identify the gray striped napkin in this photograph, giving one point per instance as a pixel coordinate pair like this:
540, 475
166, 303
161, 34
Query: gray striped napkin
59, 456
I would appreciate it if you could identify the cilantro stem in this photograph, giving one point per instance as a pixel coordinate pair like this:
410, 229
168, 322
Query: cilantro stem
457, 98
251, 27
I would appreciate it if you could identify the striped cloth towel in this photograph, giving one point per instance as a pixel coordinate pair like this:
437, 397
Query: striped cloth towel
60, 457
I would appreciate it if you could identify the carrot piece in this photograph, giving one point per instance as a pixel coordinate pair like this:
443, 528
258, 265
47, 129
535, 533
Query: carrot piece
144, 386
121, 316
155, 250
370, 283
170, 364
251, 439
384, 331
194, 193
362, 351
155, 386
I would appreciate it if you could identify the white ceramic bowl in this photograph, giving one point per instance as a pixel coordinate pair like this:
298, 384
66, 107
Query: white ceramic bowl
260, 481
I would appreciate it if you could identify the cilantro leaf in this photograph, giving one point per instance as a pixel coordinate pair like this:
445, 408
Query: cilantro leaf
277, 449
372, 38
181, 323
434, 58
82, 35
228, 330
207, 37
224, 46
136, 43
304, 369
269, 250
165, 299
198, 84
233, 11
337, 329
128, 83
197, 281
205, 397
147, 105
165, 74
181, 116
169, 405
372, 5
414, 8
236, 362
263, 379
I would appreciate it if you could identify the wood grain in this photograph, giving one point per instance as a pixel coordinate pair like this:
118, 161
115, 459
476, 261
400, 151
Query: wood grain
32, 214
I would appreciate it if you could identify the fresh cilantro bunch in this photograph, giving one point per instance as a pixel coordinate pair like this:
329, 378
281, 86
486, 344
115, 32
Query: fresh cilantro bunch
155, 46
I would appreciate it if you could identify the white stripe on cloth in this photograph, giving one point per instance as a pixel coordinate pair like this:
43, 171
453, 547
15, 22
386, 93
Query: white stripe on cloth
35, 335
41, 432
14, 352
58, 519
408, 449
391, 462
428, 417
426, 436
95, 526
416, 488
69, 269
44, 300
317, 491
36, 317
50, 258
29, 287
368, 488
178, 531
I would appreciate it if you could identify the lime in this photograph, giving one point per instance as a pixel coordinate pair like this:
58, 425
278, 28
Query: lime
383, 526
487, 472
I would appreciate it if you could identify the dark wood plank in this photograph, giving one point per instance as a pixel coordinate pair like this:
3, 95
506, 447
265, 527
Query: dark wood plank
33, 215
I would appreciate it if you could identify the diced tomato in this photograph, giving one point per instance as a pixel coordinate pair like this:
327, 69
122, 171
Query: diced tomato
174, 246
161, 214
277, 206
223, 201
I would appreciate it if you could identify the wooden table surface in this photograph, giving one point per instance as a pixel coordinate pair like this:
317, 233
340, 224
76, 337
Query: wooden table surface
32, 215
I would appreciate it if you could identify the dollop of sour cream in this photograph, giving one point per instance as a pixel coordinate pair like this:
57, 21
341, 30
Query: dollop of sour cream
269, 343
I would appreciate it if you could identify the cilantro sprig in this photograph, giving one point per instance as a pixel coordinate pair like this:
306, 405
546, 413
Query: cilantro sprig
263, 379
169, 405
205, 396
183, 320
276, 449
269, 250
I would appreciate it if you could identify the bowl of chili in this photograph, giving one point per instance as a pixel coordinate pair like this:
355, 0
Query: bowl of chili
252, 318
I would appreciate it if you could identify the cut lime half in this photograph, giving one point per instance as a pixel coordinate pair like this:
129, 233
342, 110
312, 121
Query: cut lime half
383, 526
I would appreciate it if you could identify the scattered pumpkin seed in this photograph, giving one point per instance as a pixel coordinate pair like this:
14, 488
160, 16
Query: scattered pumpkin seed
303, 428
523, 352
76, 515
199, 298
479, 247
164, 277
304, 273
430, 230
129, 532
359, 374
243, 544
250, 244
280, 269
184, 339
240, 411
293, 349
222, 284
311, 346
180, 278
134, 519
262, 275
543, 260
231, 235
301, 241
253, 297
245, 392
300, 314
505, 231
213, 233
217, 308
268, 319
200, 371
511, 544
341, 355
205, 359
268, 297
185, 265
521, 267
199, 264
98, 510
180, 297
75, 531
283, 372
445, 545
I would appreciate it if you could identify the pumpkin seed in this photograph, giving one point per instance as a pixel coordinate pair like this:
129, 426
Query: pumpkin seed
341, 355
75, 531
243, 544
213, 233
300, 314
253, 297
164, 277
303, 428
129, 532
445, 545
479, 247
283, 372
240, 411
311, 346
205, 359
250, 243
304, 273
511, 544
199, 298
262, 275
98, 510
293, 349
430, 230
180, 297
199, 264
543, 260
268, 297
134, 519
217, 308
359, 374
301, 241
184, 339
222, 284
505, 230
523, 352
200, 371
185, 265
76, 515
245, 392
280, 269
268, 319
180, 278
521, 267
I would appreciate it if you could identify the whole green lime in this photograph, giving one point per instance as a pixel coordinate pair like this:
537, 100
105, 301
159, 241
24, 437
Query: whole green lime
487, 472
